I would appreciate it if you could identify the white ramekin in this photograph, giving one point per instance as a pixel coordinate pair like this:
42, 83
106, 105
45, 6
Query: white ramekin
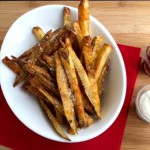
137, 103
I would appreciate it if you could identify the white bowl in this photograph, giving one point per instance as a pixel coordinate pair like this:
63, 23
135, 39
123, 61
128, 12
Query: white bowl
19, 38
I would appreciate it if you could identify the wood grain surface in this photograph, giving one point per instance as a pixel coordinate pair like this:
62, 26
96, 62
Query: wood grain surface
129, 23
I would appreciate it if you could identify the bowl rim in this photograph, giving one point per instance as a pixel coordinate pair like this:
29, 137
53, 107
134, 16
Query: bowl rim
122, 99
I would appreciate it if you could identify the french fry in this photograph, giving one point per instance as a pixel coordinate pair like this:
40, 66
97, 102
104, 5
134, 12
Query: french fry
59, 116
38, 32
14, 66
50, 60
102, 60
21, 77
32, 68
87, 104
53, 120
89, 120
55, 42
96, 43
48, 96
65, 94
78, 33
49, 85
83, 17
35, 52
27, 86
77, 98
67, 17
32, 53
102, 78
87, 54
91, 93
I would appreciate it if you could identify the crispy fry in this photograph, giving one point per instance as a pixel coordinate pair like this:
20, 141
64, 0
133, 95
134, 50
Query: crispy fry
96, 43
77, 98
83, 17
91, 93
38, 32
32, 68
55, 102
53, 120
34, 52
87, 54
102, 78
102, 60
49, 85
87, 104
20, 77
78, 33
50, 60
46, 66
65, 94
55, 42
48, 96
33, 90
67, 17
89, 120
14, 66
59, 116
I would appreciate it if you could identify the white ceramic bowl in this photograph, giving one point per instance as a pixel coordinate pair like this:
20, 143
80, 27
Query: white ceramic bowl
19, 38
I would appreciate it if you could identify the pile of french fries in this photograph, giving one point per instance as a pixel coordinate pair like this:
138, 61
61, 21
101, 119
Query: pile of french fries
65, 70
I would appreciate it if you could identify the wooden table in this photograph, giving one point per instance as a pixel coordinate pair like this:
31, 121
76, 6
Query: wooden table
129, 23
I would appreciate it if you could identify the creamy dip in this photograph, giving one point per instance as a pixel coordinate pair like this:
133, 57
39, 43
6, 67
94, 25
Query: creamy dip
144, 105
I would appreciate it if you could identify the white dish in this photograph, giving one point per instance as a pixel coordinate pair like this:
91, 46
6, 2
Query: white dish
142, 108
19, 38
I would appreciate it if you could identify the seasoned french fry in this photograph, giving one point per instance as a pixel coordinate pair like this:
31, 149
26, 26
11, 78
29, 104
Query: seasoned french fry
78, 33
91, 93
14, 66
89, 120
38, 32
102, 60
49, 85
96, 42
48, 96
77, 98
53, 120
34, 52
50, 60
59, 116
87, 54
83, 17
32, 68
55, 42
65, 94
87, 104
21, 77
33, 90
102, 78
67, 17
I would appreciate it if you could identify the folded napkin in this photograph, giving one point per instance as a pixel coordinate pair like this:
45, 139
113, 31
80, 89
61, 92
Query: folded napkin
18, 137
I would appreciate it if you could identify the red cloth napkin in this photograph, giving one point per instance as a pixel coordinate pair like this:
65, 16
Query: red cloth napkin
18, 137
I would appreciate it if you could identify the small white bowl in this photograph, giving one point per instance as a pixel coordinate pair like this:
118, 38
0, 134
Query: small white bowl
19, 38
138, 104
